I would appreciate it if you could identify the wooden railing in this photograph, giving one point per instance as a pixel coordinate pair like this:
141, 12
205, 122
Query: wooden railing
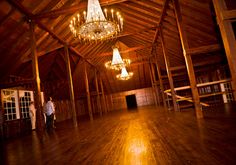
205, 95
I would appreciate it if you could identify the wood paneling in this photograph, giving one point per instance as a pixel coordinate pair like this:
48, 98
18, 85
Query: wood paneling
142, 20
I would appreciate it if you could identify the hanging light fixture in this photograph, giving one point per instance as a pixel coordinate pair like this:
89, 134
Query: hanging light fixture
94, 25
124, 74
117, 63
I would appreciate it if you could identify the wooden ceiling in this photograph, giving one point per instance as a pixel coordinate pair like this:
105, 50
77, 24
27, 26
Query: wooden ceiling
139, 41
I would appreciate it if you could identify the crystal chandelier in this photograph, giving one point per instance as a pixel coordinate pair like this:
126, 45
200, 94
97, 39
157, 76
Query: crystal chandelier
94, 25
124, 74
117, 62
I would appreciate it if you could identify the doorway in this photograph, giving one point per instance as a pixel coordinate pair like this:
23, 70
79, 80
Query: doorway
131, 101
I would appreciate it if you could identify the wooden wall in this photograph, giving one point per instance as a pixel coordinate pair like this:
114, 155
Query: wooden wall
143, 97
63, 109
114, 102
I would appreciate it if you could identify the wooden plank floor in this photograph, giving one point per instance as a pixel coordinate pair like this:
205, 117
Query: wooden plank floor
147, 136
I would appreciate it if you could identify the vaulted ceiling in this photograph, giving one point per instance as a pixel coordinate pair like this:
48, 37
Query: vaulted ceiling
139, 41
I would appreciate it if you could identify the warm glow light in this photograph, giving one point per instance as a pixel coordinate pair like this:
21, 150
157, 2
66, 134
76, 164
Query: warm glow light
124, 74
117, 62
137, 147
116, 58
94, 25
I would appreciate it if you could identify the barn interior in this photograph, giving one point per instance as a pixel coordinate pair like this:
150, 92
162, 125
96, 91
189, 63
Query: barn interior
171, 99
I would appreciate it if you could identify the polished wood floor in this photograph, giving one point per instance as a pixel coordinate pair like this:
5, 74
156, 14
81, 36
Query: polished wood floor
140, 137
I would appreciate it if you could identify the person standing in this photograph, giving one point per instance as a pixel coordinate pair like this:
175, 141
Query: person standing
32, 114
49, 114
54, 113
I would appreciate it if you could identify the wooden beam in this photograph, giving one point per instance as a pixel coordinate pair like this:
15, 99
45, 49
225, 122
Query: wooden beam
98, 95
154, 83
204, 49
77, 53
123, 34
227, 34
16, 84
112, 105
200, 85
153, 87
20, 7
170, 78
71, 88
229, 14
215, 61
188, 60
103, 96
41, 53
26, 12
88, 93
189, 99
161, 84
36, 78
125, 51
73, 9
160, 20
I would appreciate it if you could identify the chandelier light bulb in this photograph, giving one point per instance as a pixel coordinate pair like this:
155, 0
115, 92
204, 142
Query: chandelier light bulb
124, 74
117, 63
94, 25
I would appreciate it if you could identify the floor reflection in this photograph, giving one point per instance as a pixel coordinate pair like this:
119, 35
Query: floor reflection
137, 150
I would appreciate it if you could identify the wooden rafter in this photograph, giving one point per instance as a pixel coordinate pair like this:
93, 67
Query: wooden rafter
73, 9
22, 9
125, 51
160, 20
204, 49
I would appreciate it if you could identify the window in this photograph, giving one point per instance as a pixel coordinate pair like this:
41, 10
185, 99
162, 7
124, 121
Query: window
14, 109
25, 99
10, 104
229, 95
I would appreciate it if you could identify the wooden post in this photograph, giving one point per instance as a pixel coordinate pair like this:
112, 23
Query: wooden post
1, 116
93, 105
155, 84
71, 89
107, 103
36, 78
229, 41
98, 94
153, 88
111, 102
88, 93
170, 78
161, 84
103, 96
188, 60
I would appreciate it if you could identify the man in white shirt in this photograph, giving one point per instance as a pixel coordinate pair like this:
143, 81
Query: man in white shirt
50, 110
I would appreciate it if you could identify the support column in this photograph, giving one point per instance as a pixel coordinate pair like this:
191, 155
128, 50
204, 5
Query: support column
88, 93
1, 117
170, 78
227, 35
111, 102
71, 88
153, 88
103, 96
188, 60
98, 94
107, 103
36, 79
161, 84
155, 84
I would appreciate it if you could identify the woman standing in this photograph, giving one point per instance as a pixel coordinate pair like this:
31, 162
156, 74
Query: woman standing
32, 114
